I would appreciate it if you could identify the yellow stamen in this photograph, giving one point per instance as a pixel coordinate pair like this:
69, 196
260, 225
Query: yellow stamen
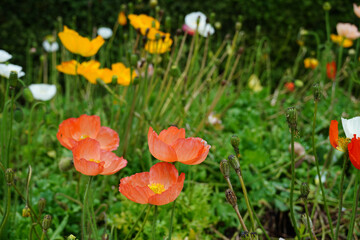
93, 160
157, 188
342, 144
83, 137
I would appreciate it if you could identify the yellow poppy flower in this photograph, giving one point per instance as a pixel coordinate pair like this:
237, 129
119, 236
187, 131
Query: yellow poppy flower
254, 83
143, 22
311, 63
68, 67
158, 47
106, 75
123, 74
78, 44
89, 70
122, 18
151, 34
346, 43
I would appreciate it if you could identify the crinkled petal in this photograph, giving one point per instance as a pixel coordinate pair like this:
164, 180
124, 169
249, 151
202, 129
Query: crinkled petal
163, 173
108, 139
159, 149
170, 135
113, 163
170, 194
64, 134
190, 149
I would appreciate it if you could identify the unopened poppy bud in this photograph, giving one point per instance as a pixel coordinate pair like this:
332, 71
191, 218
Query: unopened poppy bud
291, 116
131, 7
157, 10
41, 204
123, 7
28, 95
13, 79
326, 6
125, 36
217, 25
212, 17
18, 115
235, 141
225, 168
153, 3
133, 59
316, 92
231, 197
9, 176
168, 23
46, 223
175, 71
234, 162
65, 164
26, 212
71, 237
241, 18
304, 190
238, 26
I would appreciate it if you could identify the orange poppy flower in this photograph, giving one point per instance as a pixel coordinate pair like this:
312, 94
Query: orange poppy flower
311, 63
122, 18
73, 130
78, 44
91, 160
143, 22
68, 67
331, 70
160, 186
158, 47
354, 152
339, 143
171, 146
123, 74
290, 86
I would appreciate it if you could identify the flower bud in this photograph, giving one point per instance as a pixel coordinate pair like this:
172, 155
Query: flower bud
9, 176
299, 83
168, 23
71, 237
234, 162
217, 25
41, 205
304, 190
316, 92
291, 116
231, 197
225, 168
125, 36
13, 79
65, 164
28, 95
131, 7
238, 26
133, 59
18, 115
235, 141
26, 212
46, 223
153, 3
212, 17
326, 6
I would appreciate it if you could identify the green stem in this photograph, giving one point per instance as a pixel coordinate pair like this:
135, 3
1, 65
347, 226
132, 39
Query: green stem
341, 196
292, 213
338, 64
354, 207
135, 224
319, 174
85, 207
7, 212
143, 224
10, 127
308, 220
154, 223
171, 219
42, 235
246, 199
259, 223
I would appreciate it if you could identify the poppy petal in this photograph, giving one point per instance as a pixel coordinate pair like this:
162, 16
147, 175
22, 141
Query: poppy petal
163, 173
86, 126
64, 134
200, 158
354, 152
108, 139
88, 149
170, 194
88, 167
159, 149
135, 188
170, 135
334, 133
190, 149
113, 163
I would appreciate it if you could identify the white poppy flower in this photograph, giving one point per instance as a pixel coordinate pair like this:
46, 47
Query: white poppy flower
4, 56
105, 32
50, 47
42, 91
204, 28
351, 127
5, 70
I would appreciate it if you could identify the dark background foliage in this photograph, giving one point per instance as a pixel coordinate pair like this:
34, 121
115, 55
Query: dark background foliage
24, 24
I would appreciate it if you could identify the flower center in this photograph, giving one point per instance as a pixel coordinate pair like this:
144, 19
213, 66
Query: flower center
342, 144
93, 160
157, 188
83, 137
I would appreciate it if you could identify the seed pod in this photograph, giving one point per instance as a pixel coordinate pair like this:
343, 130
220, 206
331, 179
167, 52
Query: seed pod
235, 141
26, 212
41, 205
291, 117
316, 92
234, 162
9, 175
225, 168
231, 197
46, 223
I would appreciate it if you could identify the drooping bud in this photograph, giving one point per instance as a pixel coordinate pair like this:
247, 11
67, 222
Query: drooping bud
291, 116
234, 162
9, 175
46, 223
304, 190
13, 79
231, 197
316, 92
65, 164
41, 205
225, 168
235, 141
26, 212
326, 6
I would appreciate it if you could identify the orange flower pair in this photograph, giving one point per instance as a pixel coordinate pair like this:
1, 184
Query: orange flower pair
91, 145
